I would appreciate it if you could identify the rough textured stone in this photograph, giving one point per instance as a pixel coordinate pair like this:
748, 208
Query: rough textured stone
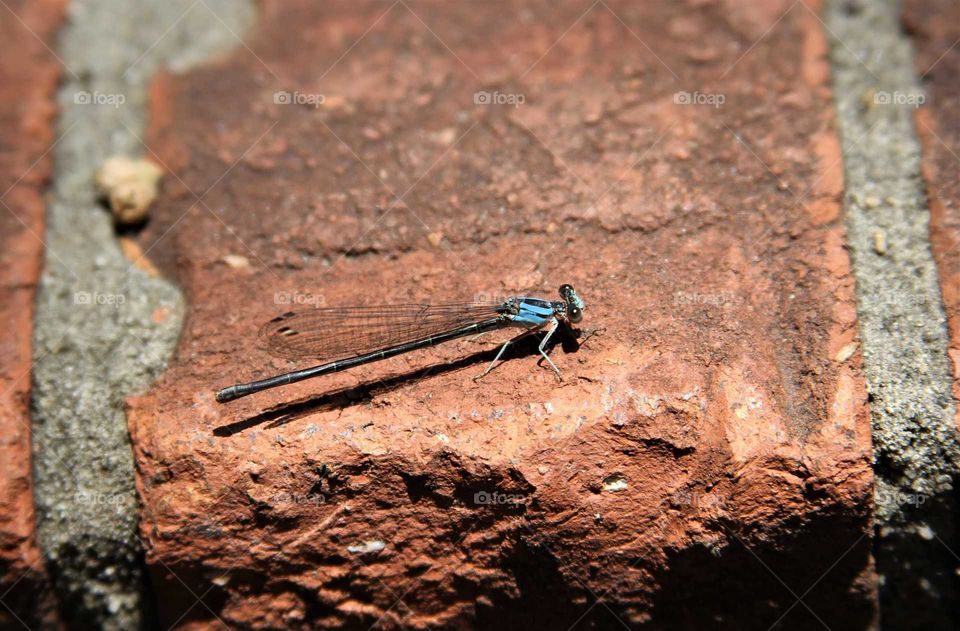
935, 29
28, 77
706, 460
902, 320
104, 325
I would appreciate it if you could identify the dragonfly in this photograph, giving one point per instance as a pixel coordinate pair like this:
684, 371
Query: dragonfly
350, 336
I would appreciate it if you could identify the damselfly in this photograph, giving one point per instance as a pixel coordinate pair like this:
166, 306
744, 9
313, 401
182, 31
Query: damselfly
353, 336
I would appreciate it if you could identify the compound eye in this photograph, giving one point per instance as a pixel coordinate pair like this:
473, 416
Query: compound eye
565, 290
574, 314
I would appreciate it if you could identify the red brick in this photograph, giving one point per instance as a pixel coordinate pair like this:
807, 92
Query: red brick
29, 73
717, 270
935, 29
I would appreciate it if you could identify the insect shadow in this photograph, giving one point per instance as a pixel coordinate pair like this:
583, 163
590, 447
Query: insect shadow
569, 339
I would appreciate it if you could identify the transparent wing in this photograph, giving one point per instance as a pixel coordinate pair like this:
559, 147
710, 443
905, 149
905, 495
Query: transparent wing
340, 332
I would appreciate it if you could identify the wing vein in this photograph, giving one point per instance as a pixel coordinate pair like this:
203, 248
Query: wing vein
340, 332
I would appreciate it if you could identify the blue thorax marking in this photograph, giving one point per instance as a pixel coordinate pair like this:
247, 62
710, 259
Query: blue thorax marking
533, 312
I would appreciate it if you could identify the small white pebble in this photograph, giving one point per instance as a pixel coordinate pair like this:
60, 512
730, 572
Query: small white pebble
236, 261
445, 136
615, 482
130, 185
846, 352
367, 547
880, 242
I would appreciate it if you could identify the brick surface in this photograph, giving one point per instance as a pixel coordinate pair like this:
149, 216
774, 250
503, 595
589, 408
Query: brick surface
28, 77
935, 29
706, 459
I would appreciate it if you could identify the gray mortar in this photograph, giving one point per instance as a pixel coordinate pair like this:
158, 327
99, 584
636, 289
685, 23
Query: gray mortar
95, 342
903, 327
